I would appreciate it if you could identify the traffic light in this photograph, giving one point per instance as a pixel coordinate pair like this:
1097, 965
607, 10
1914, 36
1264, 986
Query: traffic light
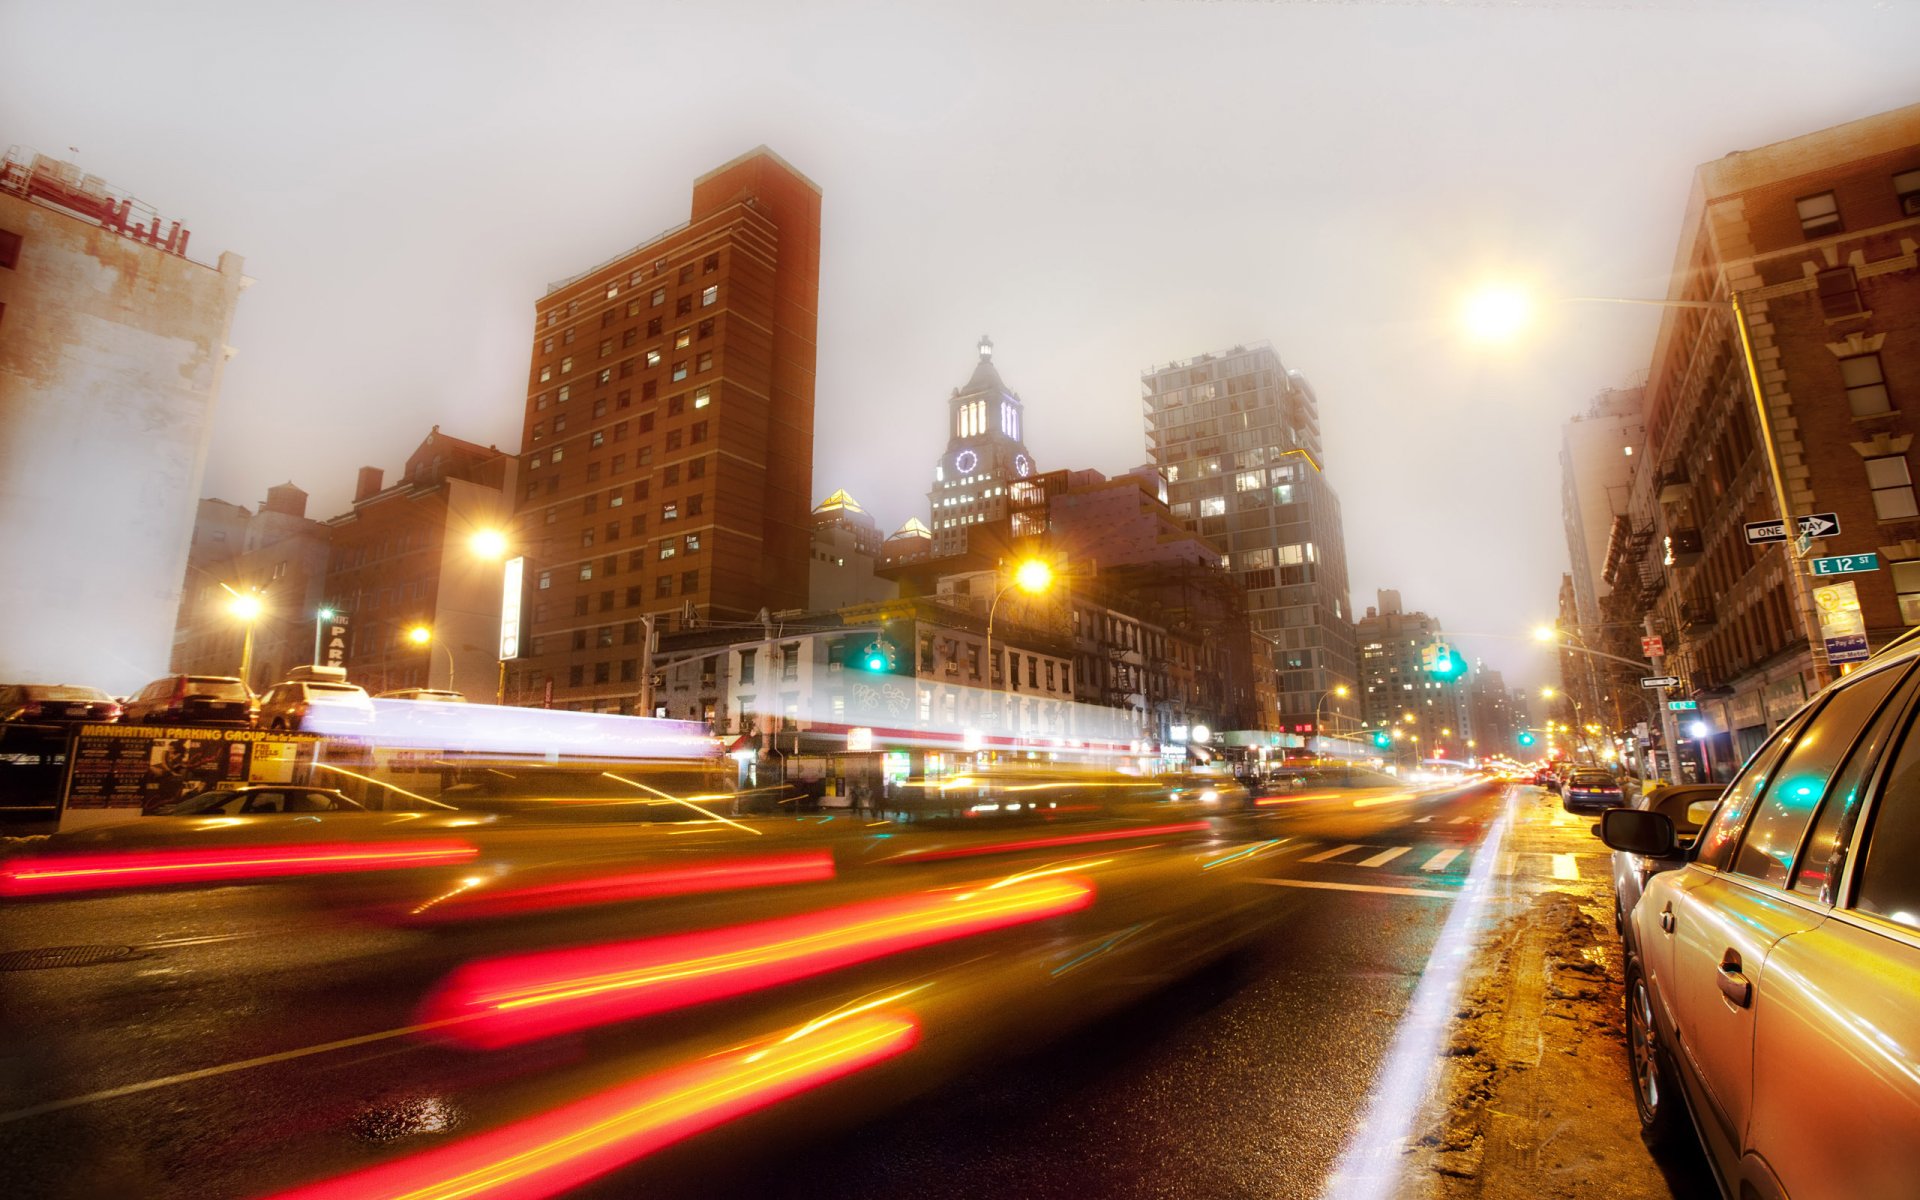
1380, 739
1447, 664
1526, 739
877, 656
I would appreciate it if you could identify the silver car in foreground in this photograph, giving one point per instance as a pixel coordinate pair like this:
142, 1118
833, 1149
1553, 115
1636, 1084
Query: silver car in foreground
1773, 968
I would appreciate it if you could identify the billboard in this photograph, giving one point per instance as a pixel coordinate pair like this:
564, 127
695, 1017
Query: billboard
513, 579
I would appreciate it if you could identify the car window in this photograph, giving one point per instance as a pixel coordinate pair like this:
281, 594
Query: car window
1717, 840
265, 802
308, 802
1823, 859
1889, 884
1800, 782
206, 803
215, 687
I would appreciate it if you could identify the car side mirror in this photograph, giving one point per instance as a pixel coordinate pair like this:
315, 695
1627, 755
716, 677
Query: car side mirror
1637, 831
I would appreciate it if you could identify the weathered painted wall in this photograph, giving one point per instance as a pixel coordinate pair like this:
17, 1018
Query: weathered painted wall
111, 355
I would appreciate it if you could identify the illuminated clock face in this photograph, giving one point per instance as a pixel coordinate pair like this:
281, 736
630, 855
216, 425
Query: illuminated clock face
965, 461
1023, 465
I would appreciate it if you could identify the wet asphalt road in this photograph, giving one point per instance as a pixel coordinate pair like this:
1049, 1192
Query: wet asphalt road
1243, 1081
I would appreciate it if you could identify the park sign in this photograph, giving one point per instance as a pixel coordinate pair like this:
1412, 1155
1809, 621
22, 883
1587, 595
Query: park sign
1845, 564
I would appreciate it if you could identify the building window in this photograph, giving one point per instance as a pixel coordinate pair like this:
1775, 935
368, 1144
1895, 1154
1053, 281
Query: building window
697, 469
702, 397
600, 408
693, 543
670, 511
654, 325
1906, 187
663, 586
710, 264
706, 361
653, 358
566, 390
706, 328
697, 432
673, 439
576, 676
1819, 215
680, 368
689, 582
1906, 586
683, 339
586, 572
605, 377
546, 373
668, 549
559, 452
659, 297
1866, 385
676, 405
708, 297
546, 345
1892, 488
566, 364
695, 503
560, 423
606, 345
1213, 506
1839, 293
599, 438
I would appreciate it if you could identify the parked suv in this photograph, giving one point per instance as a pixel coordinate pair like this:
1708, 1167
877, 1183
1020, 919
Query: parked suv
1772, 969
219, 700
316, 700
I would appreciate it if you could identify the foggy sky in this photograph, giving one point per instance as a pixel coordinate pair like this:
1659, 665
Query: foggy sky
1099, 188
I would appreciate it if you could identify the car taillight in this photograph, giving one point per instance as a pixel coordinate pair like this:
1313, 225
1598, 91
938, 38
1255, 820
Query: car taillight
112, 713
30, 709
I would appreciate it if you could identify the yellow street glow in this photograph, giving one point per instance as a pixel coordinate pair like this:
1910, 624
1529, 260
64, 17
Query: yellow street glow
1033, 576
420, 635
1546, 633
489, 544
246, 606
1496, 314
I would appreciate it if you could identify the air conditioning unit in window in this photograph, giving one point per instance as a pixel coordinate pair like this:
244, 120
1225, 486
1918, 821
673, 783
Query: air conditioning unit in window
1910, 204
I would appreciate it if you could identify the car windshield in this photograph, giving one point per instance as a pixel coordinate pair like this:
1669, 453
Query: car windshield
209, 687
346, 688
1590, 780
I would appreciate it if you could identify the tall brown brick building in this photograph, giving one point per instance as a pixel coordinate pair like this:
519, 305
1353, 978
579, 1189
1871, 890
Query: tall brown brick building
1818, 236
667, 457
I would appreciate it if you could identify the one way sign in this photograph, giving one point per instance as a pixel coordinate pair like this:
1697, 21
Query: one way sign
1819, 525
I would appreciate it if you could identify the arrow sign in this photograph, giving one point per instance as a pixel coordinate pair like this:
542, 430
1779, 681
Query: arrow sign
1845, 564
1659, 681
1818, 525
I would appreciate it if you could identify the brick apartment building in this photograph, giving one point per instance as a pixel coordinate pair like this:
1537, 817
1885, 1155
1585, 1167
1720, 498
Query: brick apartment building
402, 557
668, 442
1818, 235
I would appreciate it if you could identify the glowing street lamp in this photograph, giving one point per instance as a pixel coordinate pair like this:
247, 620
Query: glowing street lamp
422, 635
1033, 576
489, 544
1497, 314
246, 607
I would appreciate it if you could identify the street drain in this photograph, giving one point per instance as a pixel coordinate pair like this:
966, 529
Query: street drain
63, 956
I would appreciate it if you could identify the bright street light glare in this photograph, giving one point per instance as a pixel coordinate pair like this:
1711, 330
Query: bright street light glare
1496, 314
489, 544
246, 606
1545, 633
419, 635
1033, 576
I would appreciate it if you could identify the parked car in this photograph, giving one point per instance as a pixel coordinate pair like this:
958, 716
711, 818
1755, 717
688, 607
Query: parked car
216, 700
295, 704
259, 799
1771, 970
56, 704
436, 695
1591, 791
1687, 805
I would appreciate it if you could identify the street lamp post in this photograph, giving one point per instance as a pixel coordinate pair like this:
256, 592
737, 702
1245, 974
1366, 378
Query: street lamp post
1665, 715
422, 635
1033, 577
320, 620
1500, 314
247, 607
1339, 691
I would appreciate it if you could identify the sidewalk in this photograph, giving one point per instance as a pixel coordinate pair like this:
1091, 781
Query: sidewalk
1534, 1099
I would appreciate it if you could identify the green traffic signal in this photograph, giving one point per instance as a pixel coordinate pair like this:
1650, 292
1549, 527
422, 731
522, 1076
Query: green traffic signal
1381, 739
1526, 739
877, 656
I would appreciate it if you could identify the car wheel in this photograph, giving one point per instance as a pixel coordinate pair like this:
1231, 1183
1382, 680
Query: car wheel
1656, 1093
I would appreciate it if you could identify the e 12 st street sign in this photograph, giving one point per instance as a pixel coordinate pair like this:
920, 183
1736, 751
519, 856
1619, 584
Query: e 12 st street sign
1682, 705
1659, 681
1818, 525
1844, 564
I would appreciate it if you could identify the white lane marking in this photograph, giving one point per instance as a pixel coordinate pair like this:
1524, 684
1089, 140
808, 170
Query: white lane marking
1424, 820
1459, 820
1384, 857
1439, 861
1324, 855
1563, 867
1377, 888
1372, 1164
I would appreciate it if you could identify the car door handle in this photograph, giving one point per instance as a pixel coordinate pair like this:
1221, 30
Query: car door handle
1666, 919
1734, 985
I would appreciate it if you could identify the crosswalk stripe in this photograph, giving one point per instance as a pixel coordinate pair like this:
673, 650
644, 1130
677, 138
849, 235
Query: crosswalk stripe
1424, 820
1324, 855
1459, 820
1439, 861
1384, 857
1563, 867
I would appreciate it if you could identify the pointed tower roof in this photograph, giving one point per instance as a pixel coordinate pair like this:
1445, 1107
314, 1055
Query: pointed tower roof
839, 500
985, 378
913, 528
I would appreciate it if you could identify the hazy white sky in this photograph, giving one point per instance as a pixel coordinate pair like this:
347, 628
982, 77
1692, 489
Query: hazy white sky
1099, 187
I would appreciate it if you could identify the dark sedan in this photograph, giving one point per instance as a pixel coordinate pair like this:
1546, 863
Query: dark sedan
1591, 791
56, 704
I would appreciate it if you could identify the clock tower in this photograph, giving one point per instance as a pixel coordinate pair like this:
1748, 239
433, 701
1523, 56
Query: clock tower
984, 456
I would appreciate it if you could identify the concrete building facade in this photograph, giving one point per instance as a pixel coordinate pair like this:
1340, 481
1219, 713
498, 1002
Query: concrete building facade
112, 347
1397, 692
403, 558
277, 554
668, 439
1596, 472
1237, 437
